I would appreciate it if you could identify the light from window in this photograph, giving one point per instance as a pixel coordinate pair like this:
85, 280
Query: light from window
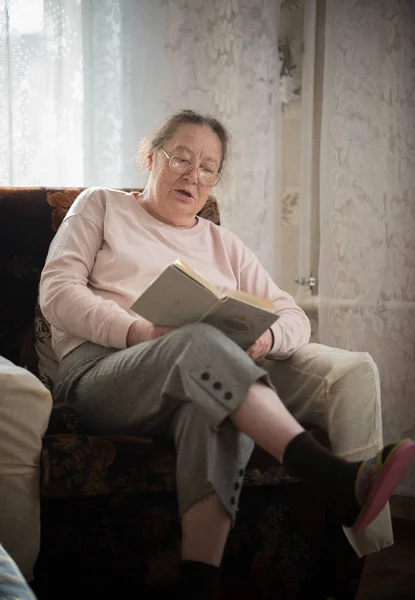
26, 16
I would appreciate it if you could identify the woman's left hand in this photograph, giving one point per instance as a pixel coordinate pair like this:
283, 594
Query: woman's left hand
259, 349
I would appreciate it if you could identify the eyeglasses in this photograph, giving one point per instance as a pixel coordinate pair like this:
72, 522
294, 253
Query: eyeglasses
180, 166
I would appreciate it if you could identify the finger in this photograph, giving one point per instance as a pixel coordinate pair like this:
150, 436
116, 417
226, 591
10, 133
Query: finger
162, 330
252, 353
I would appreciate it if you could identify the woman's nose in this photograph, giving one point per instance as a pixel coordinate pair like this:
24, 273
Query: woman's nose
192, 175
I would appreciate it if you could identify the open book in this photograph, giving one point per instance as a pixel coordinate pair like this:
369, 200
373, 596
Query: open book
180, 296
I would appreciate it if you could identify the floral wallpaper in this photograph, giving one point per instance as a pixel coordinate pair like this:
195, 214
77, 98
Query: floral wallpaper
367, 197
291, 38
222, 57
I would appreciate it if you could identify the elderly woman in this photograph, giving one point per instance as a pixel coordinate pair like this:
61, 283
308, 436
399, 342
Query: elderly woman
193, 385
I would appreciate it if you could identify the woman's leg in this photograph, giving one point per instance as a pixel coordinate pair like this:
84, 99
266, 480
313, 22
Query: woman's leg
200, 452
205, 529
184, 386
339, 391
206, 523
210, 471
264, 418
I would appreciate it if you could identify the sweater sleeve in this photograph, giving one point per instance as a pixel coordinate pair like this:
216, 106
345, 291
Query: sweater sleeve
65, 298
292, 329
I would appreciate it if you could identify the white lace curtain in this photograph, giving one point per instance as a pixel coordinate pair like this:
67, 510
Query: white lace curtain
41, 92
83, 81
367, 196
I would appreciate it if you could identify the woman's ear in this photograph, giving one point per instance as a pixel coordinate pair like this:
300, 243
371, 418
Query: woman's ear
150, 157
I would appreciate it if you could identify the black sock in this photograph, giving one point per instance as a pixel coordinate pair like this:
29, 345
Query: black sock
199, 581
332, 478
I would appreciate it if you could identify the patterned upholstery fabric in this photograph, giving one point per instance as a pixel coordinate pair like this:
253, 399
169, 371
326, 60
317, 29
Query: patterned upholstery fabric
109, 502
128, 465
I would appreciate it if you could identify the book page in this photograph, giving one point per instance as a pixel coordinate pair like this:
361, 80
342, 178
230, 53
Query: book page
181, 266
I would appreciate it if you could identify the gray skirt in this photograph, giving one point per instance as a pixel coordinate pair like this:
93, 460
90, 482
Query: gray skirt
182, 386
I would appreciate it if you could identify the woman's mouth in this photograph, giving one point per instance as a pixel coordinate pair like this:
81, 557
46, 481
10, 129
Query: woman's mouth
184, 194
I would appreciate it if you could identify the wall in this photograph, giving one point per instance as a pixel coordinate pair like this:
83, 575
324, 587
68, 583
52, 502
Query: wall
362, 218
291, 28
367, 197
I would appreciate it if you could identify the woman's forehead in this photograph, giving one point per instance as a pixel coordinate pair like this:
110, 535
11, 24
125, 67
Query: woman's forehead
197, 139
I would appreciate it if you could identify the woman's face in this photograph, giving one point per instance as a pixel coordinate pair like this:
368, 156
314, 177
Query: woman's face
177, 198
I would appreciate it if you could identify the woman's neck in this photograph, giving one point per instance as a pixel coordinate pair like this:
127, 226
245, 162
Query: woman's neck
145, 202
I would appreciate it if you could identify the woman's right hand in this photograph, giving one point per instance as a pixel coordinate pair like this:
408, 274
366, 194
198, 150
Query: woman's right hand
144, 331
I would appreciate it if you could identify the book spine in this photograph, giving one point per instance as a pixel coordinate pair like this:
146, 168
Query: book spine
211, 310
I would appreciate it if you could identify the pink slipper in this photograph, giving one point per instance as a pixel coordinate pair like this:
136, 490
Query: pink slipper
377, 479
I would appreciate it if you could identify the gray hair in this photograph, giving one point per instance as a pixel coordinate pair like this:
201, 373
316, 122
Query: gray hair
170, 127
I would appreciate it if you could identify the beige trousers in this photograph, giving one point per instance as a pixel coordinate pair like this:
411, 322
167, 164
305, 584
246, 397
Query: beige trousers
339, 391
25, 406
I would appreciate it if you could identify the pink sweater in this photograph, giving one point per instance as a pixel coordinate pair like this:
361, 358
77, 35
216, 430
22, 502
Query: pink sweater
109, 249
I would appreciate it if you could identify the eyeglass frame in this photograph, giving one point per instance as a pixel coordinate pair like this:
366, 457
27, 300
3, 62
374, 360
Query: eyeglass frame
192, 166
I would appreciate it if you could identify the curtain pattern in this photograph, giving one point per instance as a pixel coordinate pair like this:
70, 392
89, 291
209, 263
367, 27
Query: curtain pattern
41, 92
91, 78
219, 57
367, 196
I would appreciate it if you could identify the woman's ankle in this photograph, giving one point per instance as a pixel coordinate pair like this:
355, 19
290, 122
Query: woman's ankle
199, 581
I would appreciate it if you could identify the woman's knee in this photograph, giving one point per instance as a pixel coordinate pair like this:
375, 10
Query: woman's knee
353, 402
208, 341
359, 372
201, 332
